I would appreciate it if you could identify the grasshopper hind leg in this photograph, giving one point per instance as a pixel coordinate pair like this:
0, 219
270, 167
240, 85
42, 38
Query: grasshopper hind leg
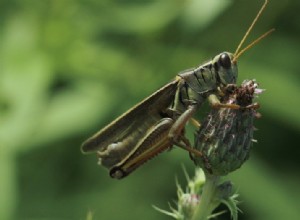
154, 142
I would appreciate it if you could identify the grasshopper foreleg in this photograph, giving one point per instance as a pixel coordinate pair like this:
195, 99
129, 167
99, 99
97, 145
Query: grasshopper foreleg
215, 103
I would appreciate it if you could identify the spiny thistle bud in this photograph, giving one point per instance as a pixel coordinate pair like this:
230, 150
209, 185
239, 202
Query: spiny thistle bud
189, 199
226, 135
187, 203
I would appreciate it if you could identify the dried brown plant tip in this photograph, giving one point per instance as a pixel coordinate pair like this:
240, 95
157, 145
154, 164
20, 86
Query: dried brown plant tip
226, 135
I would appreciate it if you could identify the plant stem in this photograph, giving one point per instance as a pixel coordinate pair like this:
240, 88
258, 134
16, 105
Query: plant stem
206, 206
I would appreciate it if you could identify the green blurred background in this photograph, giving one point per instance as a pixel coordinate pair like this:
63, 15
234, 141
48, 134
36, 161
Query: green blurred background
67, 68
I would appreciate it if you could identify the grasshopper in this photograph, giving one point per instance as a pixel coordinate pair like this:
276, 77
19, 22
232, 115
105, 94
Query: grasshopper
157, 123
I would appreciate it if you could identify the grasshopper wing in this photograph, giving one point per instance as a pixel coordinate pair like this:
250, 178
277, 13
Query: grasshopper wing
128, 128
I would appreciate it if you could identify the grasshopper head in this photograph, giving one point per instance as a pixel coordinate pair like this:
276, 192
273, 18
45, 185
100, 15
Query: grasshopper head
226, 68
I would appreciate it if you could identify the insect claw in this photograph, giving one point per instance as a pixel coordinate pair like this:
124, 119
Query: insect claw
252, 106
195, 122
255, 105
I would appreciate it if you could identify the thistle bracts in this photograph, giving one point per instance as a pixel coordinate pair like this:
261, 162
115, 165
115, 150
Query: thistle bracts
226, 135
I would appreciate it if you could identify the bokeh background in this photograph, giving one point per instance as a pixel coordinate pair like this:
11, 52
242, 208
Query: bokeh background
68, 67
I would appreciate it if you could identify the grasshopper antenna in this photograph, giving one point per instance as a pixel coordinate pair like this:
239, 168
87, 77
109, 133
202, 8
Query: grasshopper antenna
236, 56
248, 32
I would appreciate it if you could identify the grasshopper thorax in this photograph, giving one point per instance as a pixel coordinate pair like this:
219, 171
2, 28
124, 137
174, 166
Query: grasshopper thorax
226, 68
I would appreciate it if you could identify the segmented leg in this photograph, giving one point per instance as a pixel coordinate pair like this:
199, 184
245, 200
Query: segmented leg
180, 123
154, 142
215, 103
176, 134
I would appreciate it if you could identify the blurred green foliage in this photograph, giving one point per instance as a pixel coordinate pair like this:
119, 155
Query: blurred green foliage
67, 68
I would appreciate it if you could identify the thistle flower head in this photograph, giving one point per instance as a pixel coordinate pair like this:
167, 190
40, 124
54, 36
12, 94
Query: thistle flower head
226, 135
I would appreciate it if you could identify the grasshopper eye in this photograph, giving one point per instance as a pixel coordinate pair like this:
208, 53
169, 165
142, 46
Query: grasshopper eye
225, 61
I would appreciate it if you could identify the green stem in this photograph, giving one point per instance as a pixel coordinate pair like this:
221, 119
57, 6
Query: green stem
205, 206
